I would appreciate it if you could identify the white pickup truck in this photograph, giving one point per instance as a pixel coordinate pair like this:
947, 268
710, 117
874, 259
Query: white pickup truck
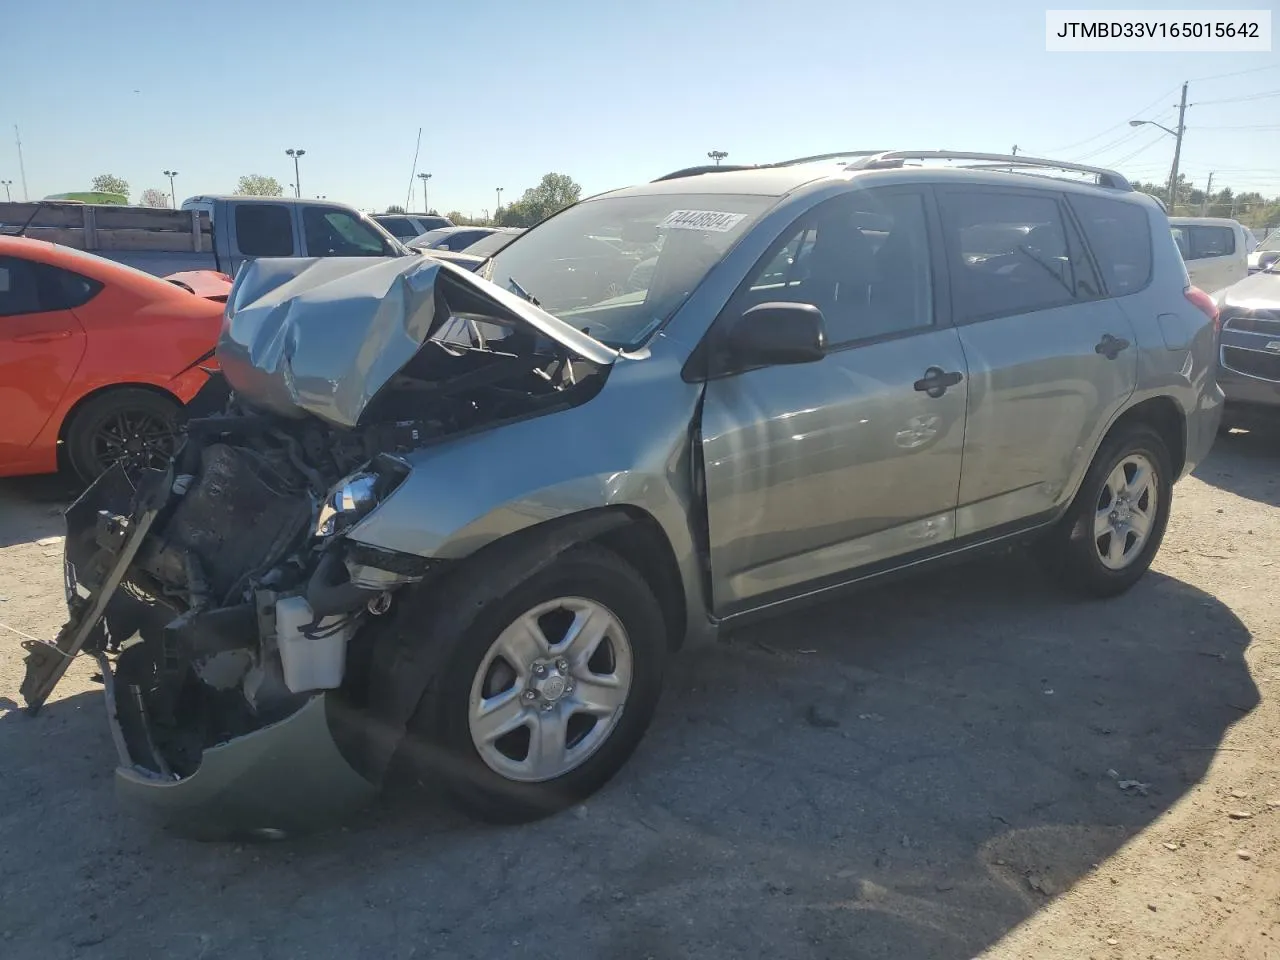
209, 232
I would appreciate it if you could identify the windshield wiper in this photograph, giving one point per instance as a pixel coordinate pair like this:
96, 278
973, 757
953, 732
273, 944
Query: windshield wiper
514, 286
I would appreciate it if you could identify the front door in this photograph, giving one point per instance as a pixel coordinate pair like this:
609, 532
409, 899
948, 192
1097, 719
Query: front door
817, 472
41, 344
1051, 358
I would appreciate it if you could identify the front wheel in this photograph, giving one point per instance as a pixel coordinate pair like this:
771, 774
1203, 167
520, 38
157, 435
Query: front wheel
1110, 534
546, 690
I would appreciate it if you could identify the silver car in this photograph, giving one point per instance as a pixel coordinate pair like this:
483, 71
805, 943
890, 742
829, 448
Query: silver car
462, 521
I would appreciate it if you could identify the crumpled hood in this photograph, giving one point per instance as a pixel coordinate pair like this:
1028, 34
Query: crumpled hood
324, 335
1258, 291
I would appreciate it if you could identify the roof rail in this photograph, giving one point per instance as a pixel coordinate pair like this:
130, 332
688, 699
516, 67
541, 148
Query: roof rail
825, 156
895, 158
704, 168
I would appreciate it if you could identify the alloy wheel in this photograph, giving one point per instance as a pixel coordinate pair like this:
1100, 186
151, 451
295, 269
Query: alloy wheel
1126, 511
550, 689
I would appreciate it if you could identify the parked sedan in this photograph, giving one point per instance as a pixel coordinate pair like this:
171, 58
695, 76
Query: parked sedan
96, 357
459, 239
405, 226
1249, 349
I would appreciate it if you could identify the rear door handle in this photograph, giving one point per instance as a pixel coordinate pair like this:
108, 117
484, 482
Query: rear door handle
46, 337
936, 380
1110, 346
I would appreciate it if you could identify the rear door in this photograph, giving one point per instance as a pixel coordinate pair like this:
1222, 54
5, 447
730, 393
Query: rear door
818, 472
41, 346
261, 230
1051, 359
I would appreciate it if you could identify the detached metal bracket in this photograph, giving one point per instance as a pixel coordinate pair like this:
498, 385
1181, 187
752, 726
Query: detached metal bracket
46, 663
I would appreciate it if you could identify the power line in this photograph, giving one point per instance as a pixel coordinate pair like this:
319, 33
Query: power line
1236, 73
1142, 149
1252, 96
1122, 123
1257, 126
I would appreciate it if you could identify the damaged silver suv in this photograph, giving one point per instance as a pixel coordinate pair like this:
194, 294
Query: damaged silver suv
460, 521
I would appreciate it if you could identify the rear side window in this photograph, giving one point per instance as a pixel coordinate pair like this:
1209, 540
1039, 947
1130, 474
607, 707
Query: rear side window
27, 287
1212, 242
264, 230
1120, 235
1012, 253
18, 291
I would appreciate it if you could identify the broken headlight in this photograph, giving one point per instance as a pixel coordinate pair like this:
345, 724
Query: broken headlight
347, 502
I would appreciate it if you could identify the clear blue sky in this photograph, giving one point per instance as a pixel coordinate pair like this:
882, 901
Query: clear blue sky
610, 91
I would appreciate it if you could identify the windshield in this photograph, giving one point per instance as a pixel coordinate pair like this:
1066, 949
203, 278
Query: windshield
618, 267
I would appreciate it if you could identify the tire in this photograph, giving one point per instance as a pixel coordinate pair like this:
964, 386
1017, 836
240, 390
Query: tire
440, 743
1076, 555
94, 427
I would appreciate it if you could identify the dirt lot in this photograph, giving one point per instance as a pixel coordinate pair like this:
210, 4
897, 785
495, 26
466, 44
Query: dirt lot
964, 764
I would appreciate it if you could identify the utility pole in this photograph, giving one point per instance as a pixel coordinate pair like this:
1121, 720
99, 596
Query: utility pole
1177, 153
1015, 150
22, 170
1207, 191
173, 200
424, 177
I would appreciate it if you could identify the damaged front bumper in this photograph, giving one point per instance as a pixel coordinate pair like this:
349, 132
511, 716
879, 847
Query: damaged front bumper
283, 778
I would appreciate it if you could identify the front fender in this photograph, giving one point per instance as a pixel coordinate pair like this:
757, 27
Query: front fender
630, 446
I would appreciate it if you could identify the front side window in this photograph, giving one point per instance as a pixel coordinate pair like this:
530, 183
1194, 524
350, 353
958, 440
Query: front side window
264, 230
1011, 253
336, 233
862, 259
1212, 242
618, 267
1120, 235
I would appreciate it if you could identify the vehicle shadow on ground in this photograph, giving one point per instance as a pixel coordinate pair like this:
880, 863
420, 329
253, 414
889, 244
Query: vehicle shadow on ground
1234, 464
908, 773
31, 507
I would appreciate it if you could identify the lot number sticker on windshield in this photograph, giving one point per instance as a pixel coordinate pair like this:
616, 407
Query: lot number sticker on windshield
714, 221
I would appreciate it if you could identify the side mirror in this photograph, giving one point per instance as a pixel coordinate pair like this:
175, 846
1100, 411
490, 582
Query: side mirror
777, 333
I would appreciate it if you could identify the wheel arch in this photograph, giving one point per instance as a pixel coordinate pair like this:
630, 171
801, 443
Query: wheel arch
631, 532
1166, 417
92, 395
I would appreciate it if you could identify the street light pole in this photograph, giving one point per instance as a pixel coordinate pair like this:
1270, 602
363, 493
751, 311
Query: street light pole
424, 177
499, 210
173, 199
297, 176
7, 195
717, 155
1177, 145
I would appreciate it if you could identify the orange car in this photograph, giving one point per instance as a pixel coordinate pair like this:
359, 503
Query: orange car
97, 357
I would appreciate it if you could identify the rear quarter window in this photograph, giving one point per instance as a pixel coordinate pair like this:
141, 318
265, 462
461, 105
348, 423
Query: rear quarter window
1120, 235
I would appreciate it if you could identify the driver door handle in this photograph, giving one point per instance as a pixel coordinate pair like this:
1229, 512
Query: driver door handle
1110, 346
936, 380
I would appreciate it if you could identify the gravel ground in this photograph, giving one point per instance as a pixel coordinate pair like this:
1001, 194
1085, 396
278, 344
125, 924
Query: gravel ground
962, 764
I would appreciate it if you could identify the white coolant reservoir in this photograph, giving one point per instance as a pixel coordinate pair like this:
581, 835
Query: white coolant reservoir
310, 663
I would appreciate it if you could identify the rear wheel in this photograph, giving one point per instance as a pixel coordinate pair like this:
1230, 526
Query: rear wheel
546, 690
1114, 527
133, 427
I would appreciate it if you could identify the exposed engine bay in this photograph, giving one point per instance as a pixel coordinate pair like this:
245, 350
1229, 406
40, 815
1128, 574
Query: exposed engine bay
221, 595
